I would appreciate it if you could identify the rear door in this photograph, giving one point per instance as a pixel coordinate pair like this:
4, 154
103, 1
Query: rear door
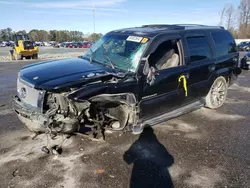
201, 64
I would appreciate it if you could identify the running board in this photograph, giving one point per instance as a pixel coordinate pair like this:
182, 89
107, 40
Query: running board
175, 113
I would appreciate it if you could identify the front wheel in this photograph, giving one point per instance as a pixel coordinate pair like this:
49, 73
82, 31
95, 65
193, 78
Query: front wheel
17, 56
217, 94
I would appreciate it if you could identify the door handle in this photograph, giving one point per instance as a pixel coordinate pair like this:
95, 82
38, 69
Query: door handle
183, 79
186, 75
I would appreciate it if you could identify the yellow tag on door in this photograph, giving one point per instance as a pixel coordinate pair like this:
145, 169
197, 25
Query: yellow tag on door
184, 82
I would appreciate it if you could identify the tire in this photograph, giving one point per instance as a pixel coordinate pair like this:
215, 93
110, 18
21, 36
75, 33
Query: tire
217, 93
35, 56
18, 57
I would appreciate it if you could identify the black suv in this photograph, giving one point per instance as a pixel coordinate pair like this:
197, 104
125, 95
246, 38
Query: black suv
129, 79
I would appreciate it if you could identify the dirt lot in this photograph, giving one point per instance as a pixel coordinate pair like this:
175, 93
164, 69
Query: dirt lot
205, 148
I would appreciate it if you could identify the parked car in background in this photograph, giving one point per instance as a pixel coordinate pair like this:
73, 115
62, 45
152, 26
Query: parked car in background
244, 46
46, 44
56, 45
247, 47
3, 44
38, 43
10, 43
69, 45
245, 61
52, 43
87, 44
78, 45
63, 44
75, 44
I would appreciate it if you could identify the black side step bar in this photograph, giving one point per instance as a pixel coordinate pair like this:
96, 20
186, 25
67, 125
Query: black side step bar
175, 113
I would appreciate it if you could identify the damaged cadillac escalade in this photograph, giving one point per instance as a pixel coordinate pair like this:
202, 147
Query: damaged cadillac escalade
128, 79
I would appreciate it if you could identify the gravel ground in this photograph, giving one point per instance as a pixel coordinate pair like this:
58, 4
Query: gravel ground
47, 53
205, 148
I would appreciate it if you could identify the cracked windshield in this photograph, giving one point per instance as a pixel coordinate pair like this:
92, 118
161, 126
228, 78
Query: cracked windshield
118, 51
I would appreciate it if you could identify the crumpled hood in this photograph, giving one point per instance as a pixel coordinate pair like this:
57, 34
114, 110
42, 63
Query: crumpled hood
53, 74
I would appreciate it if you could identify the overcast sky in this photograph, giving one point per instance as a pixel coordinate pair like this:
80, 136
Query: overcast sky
110, 14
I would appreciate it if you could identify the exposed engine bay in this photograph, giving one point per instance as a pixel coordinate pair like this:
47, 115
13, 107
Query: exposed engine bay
59, 114
99, 113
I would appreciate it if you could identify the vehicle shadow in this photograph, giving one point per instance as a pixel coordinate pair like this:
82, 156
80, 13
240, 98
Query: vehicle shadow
151, 162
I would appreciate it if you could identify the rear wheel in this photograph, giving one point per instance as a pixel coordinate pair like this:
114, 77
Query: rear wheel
35, 56
217, 94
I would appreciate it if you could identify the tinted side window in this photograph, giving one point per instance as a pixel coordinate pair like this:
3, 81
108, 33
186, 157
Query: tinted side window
224, 43
198, 48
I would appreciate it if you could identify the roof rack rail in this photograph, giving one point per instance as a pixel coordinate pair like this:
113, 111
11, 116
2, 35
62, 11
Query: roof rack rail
201, 25
183, 26
171, 27
198, 26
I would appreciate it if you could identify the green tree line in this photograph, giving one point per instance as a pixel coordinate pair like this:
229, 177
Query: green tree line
52, 35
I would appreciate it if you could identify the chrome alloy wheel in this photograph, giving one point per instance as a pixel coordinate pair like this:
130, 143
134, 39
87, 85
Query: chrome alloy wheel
218, 93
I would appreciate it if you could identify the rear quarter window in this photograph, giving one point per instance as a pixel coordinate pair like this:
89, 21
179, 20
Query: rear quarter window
224, 43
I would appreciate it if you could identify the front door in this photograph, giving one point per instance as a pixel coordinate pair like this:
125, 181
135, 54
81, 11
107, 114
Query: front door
165, 94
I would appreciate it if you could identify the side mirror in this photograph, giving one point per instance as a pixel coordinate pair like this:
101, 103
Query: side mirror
149, 72
151, 76
143, 68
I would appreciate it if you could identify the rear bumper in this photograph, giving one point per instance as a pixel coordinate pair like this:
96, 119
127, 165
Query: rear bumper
28, 52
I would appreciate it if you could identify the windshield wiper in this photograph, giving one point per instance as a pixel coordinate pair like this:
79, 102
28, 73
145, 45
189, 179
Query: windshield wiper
110, 61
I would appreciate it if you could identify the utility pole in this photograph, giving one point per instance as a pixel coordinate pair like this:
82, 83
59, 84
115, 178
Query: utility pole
94, 17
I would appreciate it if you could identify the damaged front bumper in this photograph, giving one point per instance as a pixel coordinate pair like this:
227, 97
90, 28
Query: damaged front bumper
43, 122
35, 121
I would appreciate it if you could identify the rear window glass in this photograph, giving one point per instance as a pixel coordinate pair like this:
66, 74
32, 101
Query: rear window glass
224, 43
198, 48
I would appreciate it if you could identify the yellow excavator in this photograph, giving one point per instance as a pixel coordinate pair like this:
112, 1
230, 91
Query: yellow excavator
23, 48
